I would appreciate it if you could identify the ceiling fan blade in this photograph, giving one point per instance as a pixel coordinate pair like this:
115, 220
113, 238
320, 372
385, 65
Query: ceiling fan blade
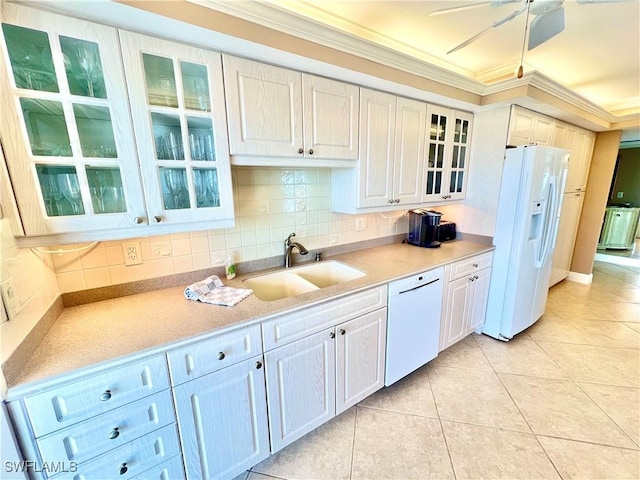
495, 24
469, 6
545, 27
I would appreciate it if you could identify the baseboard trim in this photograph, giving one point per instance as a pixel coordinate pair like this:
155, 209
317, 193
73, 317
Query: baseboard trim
618, 260
583, 278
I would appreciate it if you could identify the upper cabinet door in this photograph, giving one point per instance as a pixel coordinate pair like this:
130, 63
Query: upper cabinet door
408, 163
264, 104
377, 137
331, 111
448, 139
177, 103
65, 125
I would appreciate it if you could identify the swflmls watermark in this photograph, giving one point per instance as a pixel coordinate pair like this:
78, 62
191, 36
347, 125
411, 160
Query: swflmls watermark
50, 468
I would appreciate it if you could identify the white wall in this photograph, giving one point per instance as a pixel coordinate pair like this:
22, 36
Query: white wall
477, 213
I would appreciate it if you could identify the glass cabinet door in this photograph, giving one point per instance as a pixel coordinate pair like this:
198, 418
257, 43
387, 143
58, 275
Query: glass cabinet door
459, 154
437, 128
180, 124
75, 169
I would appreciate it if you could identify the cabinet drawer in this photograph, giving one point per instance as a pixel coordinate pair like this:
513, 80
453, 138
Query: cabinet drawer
88, 439
295, 325
468, 265
210, 355
168, 470
80, 400
131, 458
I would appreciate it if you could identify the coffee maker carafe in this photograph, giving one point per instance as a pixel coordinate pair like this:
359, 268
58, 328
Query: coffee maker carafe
423, 228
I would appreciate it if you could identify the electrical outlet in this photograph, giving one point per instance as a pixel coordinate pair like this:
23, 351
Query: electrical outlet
620, 194
132, 253
10, 299
361, 224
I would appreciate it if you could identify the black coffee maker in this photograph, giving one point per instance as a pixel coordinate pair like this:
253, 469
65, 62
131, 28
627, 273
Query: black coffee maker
423, 228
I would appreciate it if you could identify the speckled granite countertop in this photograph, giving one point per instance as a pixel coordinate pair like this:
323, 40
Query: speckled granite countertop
90, 334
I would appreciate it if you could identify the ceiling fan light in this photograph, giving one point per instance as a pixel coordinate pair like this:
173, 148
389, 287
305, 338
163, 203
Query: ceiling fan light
545, 26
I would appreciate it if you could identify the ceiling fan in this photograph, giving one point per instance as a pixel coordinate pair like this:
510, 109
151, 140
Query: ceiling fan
547, 23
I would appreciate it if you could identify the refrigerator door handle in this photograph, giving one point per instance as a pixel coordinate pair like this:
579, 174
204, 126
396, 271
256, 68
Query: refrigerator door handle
548, 223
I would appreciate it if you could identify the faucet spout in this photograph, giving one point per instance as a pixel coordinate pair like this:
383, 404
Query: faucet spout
288, 250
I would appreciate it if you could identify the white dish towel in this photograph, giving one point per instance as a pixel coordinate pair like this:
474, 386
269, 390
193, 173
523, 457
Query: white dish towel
212, 290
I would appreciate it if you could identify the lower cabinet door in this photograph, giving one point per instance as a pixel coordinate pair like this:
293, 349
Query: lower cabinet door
457, 305
360, 358
480, 297
223, 421
300, 387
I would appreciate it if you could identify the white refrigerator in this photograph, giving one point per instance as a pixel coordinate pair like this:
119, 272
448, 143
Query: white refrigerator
531, 195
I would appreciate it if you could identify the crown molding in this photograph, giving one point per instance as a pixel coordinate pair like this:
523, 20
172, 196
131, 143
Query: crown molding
417, 62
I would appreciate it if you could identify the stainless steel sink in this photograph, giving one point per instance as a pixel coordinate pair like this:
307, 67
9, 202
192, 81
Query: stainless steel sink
295, 281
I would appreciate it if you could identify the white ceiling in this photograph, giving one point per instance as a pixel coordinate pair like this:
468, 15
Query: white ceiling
597, 55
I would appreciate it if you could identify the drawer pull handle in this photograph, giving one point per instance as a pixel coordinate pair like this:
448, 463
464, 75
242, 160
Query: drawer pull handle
106, 395
342, 332
258, 365
123, 469
113, 434
221, 356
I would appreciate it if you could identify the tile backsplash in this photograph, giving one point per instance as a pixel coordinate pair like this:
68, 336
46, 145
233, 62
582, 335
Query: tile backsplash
270, 203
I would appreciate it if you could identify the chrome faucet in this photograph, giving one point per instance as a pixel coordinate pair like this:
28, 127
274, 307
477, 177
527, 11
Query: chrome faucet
288, 250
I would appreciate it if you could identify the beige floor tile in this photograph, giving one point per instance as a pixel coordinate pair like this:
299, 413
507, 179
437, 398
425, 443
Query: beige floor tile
630, 294
485, 452
595, 364
559, 408
577, 460
411, 395
521, 356
464, 354
585, 332
324, 453
474, 396
391, 445
260, 476
622, 404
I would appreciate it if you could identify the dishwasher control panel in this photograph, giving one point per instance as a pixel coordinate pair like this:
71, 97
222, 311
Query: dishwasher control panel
415, 281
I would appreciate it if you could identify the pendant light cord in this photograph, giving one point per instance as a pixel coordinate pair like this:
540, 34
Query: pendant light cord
524, 39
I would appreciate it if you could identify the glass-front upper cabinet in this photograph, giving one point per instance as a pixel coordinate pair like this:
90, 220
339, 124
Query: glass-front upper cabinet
66, 127
179, 119
446, 169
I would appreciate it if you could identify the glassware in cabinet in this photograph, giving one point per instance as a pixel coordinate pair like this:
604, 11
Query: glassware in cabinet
180, 124
66, 100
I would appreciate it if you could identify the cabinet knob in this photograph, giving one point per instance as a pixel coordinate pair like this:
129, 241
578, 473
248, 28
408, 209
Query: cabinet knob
123, 469
311, 151
157, 218
391, 200
113, 434
258, 365
397, 200
475, 277
138, 220
106, 395
471, 279
475, 265
342, 331
332, 335
221, 356
300, 151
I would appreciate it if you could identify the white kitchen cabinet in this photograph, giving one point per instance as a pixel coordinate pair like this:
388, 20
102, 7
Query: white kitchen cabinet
323, 360
66, 128
276, 112
300, 387
177, 103
580, 143
447, 162
527, 127
566, 237
108, 422
223, 421
465, 298
360, 358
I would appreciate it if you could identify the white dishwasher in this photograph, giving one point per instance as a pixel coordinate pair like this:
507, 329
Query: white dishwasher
413, 323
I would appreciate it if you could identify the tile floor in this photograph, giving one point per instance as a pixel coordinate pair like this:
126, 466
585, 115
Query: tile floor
561, 400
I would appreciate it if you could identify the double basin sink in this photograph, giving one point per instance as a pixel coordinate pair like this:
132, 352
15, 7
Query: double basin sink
299, 280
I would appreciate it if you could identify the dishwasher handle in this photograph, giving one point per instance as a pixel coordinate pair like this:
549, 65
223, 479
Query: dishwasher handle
419, 286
